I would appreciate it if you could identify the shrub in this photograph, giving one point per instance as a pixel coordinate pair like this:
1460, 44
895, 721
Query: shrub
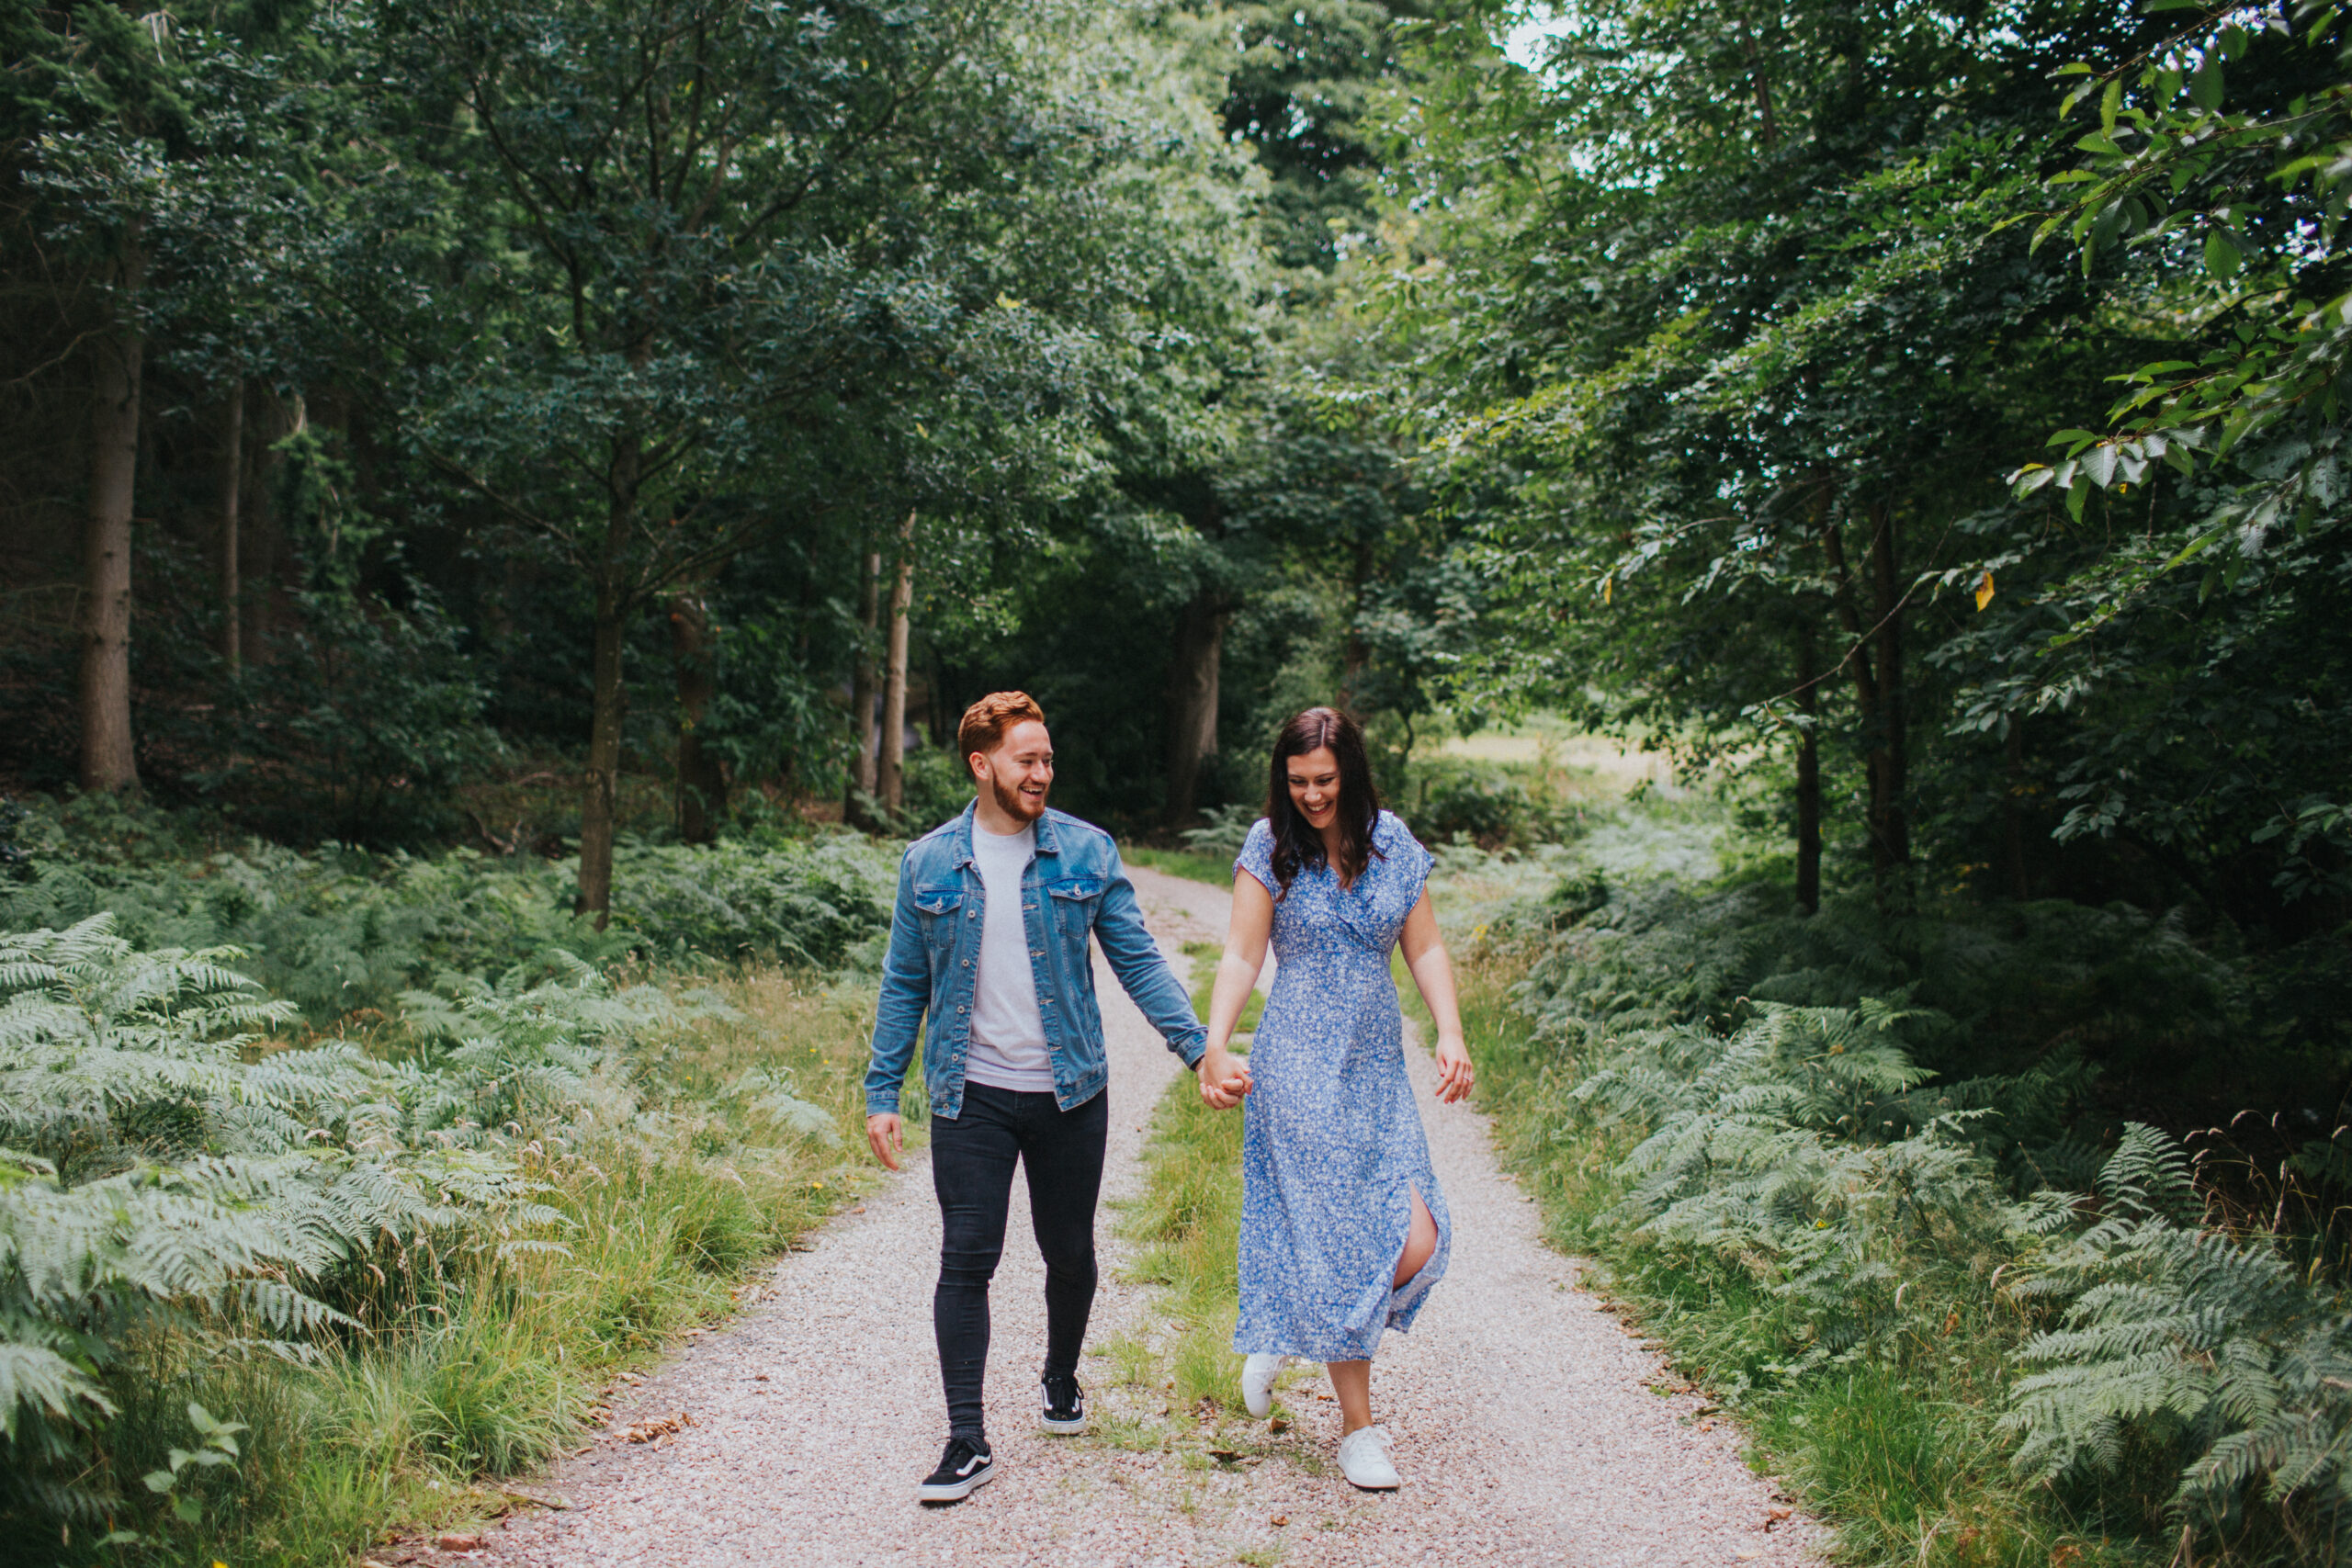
342, 929
154, 1181
1808, 1206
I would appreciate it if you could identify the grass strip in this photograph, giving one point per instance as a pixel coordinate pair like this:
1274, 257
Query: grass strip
1215, 870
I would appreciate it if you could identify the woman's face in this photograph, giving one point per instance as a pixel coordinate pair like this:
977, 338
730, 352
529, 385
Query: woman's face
1315, 787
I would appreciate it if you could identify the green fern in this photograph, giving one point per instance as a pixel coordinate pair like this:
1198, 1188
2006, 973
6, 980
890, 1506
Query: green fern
2191, 1339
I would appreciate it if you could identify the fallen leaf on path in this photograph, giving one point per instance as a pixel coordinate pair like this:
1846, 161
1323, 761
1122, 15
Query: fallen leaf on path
459, 1542
1279, 1520
667, 1426
1225, 1456
1277, 1424
1776, 1515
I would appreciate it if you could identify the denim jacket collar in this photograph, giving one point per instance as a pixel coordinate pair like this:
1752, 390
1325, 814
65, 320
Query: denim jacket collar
968, 824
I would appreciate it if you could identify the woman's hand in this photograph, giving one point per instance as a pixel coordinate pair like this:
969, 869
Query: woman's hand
1224, 1078
1454, 1074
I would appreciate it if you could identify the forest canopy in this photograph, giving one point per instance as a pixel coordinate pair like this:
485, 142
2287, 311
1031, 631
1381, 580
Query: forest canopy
1926, 411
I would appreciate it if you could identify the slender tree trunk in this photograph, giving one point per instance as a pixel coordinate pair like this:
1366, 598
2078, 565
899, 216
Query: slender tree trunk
1808, 772
1882, 725
600, 788
1355, 654
2013, 813
1892, 835
1194, 672
701, 780
889, 768
860, 690
116, 356
232, 474
257, 543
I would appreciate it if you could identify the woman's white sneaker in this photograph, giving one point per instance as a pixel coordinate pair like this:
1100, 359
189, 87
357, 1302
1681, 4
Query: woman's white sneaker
1257, 1374
1363, 1459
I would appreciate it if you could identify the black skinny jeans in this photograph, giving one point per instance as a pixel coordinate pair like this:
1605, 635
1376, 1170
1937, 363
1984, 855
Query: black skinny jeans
972, 1158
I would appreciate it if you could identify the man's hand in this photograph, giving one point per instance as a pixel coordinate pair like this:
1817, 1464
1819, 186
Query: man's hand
1225, 1079
886, 1137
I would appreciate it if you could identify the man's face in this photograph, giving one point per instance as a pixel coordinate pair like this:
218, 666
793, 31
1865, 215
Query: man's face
1020, 770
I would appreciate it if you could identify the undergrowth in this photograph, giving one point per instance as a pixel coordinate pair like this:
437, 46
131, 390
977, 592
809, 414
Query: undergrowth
1857, 1176
339, 930
266, 1295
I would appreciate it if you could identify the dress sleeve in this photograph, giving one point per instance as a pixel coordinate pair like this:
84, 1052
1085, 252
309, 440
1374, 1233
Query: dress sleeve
1257, 856
1409, 862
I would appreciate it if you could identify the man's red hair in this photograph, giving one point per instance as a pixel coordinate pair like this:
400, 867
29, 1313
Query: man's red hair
985, 721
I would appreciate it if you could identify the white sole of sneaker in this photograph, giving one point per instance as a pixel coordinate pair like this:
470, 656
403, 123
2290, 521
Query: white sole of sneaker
1063, 1428
955, 1490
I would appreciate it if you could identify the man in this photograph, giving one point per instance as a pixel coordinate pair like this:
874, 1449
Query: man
990, 937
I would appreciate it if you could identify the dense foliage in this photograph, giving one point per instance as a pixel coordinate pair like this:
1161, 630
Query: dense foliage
340, 929
1743, 1116
191, 1194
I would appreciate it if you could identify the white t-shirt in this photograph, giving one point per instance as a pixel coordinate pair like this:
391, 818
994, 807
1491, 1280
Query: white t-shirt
1008, 1032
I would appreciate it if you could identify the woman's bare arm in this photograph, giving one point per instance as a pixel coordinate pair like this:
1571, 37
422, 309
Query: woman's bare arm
1433, 970
1224, 1079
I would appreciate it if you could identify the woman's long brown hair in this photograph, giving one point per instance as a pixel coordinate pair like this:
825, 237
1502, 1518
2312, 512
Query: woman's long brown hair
1297, 845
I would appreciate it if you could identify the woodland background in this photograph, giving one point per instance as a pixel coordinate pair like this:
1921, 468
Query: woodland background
505, 502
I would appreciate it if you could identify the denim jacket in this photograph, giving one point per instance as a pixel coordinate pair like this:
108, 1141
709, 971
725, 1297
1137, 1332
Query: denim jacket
1073, 888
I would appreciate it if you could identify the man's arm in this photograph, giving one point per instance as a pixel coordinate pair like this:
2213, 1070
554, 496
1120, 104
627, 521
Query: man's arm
906, 992
1136, 960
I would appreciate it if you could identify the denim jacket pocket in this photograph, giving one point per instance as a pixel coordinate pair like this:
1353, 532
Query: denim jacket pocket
1075, 897
939, 908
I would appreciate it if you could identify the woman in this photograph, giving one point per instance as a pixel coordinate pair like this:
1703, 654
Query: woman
1343, 1229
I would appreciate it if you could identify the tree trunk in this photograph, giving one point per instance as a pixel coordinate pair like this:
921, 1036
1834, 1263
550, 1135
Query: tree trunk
2013, 813
232, 473
1194, 671
116, 354
1884, 761
860, 691
258, 547
599, 790
1355, 654
1891, 831
1808, 773
702, 779
889, 768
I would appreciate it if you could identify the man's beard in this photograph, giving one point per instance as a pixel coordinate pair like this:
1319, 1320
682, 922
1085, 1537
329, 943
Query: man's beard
1014, 803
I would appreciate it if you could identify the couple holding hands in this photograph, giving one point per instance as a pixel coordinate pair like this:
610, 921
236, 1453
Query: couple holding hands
1343, 1229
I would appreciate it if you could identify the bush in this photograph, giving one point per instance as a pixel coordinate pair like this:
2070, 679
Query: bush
360, 726
342, 929
255, 1301
1491, 805
811, 903
1839, 1201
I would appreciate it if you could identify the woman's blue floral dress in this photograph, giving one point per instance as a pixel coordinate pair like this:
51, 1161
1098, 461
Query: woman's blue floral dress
1332, 1146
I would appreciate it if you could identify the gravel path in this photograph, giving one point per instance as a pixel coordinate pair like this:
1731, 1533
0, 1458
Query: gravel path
1528, 1431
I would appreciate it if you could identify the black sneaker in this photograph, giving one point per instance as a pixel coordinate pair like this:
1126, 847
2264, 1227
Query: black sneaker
1065, 1405
966, 1466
